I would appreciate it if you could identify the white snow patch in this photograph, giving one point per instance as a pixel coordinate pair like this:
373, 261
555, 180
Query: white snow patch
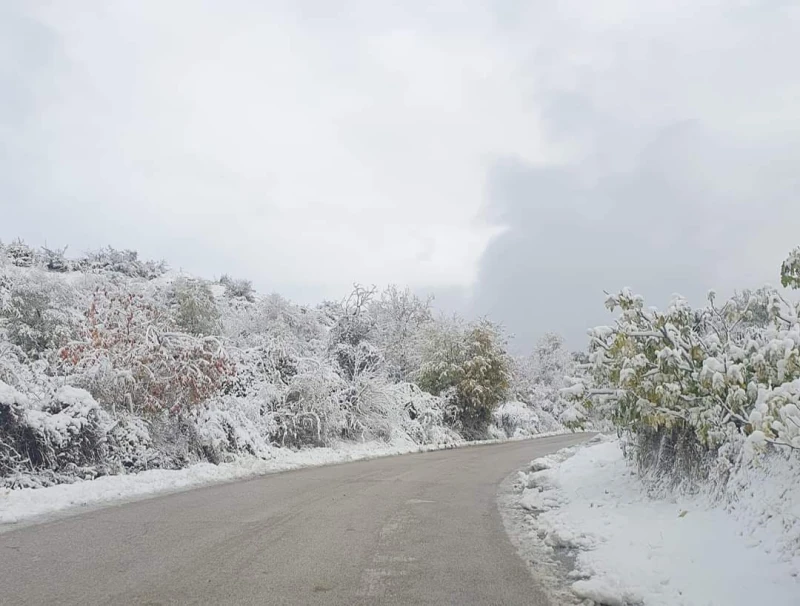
29, 503
629, 549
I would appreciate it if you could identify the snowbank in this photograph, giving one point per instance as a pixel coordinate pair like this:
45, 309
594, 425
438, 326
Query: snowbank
29, 503
588, 509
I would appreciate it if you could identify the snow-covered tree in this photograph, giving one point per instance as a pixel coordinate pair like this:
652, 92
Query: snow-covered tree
467, 365
194, 308
129, 357
400, 322
537, 380
690, 380
237, 288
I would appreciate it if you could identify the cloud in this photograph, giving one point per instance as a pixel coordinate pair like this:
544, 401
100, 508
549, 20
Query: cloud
516, 157
306, 145
684, 137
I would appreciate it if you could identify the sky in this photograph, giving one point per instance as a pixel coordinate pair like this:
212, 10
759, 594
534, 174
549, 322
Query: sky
514, 158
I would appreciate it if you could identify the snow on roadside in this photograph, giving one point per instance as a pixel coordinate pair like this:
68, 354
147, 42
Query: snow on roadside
29, 503
589, 512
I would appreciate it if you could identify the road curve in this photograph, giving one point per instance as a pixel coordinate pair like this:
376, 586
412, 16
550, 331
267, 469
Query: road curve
412, 529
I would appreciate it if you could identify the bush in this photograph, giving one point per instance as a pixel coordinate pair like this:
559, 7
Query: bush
129, 359
20, 254
687, 381
125, 262
193, 307
34, 313
238, 289
69, 435
468, 367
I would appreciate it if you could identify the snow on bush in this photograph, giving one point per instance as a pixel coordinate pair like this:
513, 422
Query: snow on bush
537, 382
707, 397
467, 365
67, 436
584, 510
111, 364
700, 376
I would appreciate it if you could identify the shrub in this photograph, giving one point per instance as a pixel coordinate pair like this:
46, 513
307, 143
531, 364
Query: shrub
21, 254
468, 367
67, 436
125, 262
238, 289
129, 358
400, 322
35, 314
686, 382
193, 307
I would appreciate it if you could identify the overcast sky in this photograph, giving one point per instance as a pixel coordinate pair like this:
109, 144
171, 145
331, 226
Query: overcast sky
515, 157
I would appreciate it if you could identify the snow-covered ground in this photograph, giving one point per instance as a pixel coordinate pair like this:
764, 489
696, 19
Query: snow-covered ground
587, 515
20, 505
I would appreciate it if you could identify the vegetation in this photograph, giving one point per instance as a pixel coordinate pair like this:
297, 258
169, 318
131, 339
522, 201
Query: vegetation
162, 369
691, 384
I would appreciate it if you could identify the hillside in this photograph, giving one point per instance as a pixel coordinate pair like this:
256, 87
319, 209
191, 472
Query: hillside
114, 365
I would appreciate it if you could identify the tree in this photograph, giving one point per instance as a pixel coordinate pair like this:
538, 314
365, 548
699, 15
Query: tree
691, 380
129, 357
468, 367
400, 321
194, 308
790, 269
36, 314
238, 288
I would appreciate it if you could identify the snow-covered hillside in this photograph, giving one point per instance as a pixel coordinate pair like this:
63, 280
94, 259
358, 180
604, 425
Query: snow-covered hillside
590, 516
697, 502
113, 365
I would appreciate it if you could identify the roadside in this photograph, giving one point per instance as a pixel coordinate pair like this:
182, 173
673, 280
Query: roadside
41, 504
582, 519
418, 529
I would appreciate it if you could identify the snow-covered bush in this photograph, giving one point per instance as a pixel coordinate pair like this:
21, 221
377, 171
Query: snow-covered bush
467, 366
36, 313
237, 288
54, 260
125, 262
177, 370
790, 269
67, 436
538, 380
193, 307
20, 254
401, 321
688, 382
129, 358
516, 419
233, 426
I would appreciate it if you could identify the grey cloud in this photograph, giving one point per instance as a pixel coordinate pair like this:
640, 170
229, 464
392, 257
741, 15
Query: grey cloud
679, 222
681, 178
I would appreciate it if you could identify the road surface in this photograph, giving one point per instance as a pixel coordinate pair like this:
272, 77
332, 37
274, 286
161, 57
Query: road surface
412, 529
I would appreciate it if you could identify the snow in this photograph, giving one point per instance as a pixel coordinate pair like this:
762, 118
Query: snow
35, 504
626, 548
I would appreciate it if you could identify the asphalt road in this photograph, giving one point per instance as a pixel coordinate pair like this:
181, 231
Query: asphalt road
413, 529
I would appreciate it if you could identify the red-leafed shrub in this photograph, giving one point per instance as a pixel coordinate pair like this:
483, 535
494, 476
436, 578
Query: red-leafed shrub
130, 357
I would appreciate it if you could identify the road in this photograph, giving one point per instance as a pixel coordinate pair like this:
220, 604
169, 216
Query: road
412, 529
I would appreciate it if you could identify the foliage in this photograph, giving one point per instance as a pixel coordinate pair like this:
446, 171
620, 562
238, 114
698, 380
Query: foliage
693, 381
790, 270
537, 381
401, 319
125, 262
467, 366
35, 313
68, 433
237, 288
194, 309
180, 370
129, 357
